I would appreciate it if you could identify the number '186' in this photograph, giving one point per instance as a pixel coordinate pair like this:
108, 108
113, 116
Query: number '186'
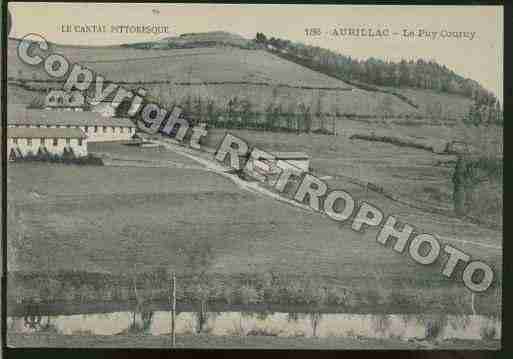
313, 31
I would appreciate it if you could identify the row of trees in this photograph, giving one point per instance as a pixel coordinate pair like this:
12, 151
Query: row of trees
239, 112
306, 117
406, 73
484, 114
477, 114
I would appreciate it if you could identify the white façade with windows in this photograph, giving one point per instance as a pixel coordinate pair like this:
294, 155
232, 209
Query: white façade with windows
100, 133
26, 142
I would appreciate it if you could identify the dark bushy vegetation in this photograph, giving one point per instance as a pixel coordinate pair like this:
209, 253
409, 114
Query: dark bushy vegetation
488, 332
66, 158
420, 74
484, 168
478, 190
393, 140
415, 74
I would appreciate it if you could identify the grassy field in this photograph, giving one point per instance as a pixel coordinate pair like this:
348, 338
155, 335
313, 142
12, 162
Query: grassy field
74, 217
453, 106
413, 174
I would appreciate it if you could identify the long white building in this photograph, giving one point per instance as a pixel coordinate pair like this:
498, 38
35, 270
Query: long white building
96, 127
23, 142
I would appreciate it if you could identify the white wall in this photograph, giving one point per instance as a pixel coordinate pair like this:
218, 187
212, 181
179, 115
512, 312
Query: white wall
111, 134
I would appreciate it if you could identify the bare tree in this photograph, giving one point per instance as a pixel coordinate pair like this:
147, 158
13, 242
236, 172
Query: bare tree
198, 260
319, 111
133, 237
385, 110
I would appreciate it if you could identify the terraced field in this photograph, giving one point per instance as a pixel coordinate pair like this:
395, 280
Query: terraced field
218, 74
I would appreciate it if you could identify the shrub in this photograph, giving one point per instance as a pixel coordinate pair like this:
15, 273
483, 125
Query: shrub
54, 158
322, 131
49, 328
249, 295
70, 295
68, 155
488, 332
228, 295
339, 296
90, 159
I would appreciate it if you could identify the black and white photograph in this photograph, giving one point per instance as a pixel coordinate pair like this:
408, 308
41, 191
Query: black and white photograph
256, 176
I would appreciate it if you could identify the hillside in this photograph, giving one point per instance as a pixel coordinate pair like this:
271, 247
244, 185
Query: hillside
219, 74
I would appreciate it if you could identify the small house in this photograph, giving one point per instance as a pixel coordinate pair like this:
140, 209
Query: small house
299, 160
268, 170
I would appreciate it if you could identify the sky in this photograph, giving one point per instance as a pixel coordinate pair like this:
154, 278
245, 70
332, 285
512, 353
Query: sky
479, 58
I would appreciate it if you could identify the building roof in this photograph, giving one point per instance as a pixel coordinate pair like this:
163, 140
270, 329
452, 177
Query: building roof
20, 115
31, 132
291, 156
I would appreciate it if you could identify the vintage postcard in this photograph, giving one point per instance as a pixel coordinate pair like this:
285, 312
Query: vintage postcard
254, 176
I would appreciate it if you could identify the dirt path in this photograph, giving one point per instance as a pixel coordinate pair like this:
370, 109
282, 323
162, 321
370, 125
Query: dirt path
207, 160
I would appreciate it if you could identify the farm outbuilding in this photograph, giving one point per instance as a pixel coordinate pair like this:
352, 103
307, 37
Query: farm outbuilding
300, 160
59, 100
96, 127
270, 169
